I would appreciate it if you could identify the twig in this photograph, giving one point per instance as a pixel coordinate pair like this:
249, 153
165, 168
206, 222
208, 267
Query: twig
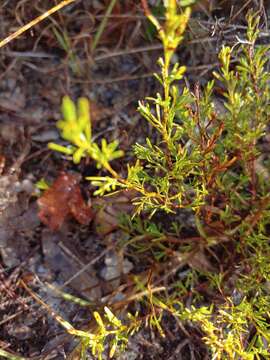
35, 22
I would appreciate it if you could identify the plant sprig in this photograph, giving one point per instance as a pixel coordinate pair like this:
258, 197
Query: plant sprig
76, 129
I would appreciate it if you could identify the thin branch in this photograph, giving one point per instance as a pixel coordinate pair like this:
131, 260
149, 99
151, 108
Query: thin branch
35, 22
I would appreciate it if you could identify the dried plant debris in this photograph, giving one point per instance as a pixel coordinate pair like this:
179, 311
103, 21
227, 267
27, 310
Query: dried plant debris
14, 195
109, 209
62, 199
61, 261
7, 181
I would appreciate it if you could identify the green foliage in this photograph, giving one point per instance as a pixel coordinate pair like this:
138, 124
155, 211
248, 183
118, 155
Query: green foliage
199, 147
113, 327
109, 330
204, 162
104, 184
42, 184
227, 330
76, 129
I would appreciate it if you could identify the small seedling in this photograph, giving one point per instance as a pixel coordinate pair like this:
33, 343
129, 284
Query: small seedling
76, 129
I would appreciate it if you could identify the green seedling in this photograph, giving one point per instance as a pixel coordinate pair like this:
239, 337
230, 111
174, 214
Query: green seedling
76, 129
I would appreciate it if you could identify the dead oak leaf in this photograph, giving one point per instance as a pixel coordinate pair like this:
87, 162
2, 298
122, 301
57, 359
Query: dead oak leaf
61, 200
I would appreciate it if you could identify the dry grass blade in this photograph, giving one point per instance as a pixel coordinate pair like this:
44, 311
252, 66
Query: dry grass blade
57, 317
35, 21
10, 356
103, 24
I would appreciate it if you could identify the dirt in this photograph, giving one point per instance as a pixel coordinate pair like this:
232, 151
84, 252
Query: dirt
36, 70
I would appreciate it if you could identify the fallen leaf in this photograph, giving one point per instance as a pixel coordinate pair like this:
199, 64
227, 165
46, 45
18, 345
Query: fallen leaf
61, 200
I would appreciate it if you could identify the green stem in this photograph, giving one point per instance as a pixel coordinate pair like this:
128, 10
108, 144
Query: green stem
111, 171
167, 106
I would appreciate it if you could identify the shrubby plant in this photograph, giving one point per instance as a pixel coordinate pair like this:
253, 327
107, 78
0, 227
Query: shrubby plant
210, 163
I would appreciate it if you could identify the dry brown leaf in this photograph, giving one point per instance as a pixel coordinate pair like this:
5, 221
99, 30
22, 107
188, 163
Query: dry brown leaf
62, 199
